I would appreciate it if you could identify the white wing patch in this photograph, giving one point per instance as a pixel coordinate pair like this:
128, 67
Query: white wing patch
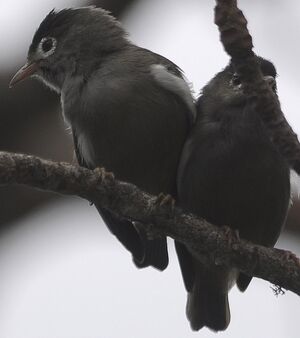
176, 85
295, 185
85, 149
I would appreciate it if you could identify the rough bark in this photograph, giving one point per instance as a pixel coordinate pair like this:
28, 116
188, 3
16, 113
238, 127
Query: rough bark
237, 42
220, 246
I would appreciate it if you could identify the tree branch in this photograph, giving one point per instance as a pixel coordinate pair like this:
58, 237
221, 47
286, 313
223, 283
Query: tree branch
238, 44
220, 246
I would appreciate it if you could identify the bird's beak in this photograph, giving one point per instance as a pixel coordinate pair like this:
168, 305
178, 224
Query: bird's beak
26, 71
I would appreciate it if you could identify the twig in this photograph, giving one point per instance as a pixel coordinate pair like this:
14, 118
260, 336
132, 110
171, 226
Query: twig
238, 44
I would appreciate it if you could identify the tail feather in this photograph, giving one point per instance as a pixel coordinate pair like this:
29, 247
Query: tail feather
155, 252
207, 303
146, 252
243, 282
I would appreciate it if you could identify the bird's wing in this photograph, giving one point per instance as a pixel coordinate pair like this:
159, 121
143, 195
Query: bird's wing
145, 252
159, 98
173, 81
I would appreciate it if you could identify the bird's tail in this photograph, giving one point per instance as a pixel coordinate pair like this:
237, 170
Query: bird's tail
146, 252
154, 252
207, 303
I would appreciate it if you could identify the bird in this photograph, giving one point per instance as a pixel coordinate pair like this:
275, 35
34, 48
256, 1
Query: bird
129, 109
231, 174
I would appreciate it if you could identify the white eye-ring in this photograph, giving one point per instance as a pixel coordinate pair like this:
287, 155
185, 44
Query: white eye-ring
47, 46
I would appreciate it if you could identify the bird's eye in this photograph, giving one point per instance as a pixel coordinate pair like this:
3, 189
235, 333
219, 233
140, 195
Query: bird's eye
47, 46
236, 81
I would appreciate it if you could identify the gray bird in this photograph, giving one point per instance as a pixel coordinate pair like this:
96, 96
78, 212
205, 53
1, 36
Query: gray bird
129, 109
231, 174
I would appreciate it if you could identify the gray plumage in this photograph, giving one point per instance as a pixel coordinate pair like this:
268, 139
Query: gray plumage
122, 117
231, 174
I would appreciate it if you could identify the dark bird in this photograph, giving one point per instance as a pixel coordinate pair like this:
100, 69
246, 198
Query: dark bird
129, 109
230, 174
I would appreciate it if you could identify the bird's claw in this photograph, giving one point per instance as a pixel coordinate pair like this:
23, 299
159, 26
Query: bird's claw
165, 202
104, 176
232, 235
290, 256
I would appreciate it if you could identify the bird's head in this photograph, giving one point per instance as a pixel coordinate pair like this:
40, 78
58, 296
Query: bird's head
225, 89
71, 42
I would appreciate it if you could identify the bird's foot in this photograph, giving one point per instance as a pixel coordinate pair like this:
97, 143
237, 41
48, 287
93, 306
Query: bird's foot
290, 256
104, 176
231, 234
165, 203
